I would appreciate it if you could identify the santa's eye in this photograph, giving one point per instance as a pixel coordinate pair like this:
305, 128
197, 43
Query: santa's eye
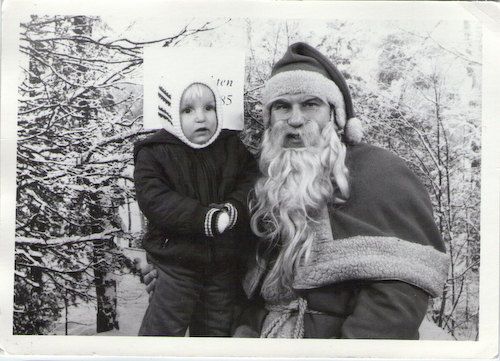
280, 106
310, 104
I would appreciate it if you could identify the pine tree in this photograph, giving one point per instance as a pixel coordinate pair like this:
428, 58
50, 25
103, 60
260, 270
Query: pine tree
79, 114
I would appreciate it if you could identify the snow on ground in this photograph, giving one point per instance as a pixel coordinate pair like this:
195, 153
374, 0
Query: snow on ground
430, 331
132, 303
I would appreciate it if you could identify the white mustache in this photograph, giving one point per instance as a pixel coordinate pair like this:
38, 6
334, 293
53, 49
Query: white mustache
309, 133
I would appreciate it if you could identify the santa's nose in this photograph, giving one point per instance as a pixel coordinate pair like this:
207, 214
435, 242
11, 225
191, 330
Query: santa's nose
296, 119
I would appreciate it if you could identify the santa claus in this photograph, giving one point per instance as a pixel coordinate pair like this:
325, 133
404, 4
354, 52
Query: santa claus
348, 245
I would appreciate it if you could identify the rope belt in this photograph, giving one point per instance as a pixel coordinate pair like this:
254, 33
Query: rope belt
287, 310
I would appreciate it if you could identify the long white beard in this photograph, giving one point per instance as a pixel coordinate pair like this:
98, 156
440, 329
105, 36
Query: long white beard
296, 185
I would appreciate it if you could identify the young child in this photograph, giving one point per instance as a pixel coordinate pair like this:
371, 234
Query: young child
192, 179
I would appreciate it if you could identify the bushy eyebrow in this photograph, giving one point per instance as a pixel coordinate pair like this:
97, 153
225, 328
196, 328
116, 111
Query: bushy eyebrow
280, 101
312, 98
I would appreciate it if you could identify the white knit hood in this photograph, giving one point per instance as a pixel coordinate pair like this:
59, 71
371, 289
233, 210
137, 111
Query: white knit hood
169, 100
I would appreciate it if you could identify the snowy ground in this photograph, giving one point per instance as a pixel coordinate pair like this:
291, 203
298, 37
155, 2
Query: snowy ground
133, 301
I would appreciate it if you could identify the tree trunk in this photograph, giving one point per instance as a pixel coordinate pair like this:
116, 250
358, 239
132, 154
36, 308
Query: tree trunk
66, 313
105, 288
129, 217
443, 307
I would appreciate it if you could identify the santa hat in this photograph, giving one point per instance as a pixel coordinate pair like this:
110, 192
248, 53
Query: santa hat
170, 91
304, 69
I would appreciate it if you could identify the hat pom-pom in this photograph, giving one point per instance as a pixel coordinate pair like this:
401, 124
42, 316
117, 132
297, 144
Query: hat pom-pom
353, 130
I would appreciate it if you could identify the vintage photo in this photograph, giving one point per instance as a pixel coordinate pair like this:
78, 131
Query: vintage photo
248, 177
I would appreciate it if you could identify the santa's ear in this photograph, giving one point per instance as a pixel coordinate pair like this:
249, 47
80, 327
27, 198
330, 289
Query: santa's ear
333, 115
334, 119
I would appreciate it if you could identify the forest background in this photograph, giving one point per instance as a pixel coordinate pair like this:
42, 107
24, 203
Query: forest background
416, 87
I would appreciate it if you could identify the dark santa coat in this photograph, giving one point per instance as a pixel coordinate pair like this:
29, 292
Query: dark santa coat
372, 270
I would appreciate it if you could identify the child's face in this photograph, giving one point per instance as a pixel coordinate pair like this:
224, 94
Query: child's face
197, 113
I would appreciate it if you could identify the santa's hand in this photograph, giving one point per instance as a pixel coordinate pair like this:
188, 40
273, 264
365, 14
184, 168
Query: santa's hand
149, 275
222, 222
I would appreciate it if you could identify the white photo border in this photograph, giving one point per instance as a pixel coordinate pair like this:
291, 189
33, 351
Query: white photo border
485, 347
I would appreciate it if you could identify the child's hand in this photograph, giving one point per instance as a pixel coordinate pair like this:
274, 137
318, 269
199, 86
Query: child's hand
231, 212
222, 221
220, 218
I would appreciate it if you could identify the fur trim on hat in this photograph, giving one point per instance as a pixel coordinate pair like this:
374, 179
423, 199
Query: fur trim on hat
303, 82
169, 101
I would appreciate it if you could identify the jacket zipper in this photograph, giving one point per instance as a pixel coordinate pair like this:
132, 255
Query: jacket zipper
212, 251
200, 159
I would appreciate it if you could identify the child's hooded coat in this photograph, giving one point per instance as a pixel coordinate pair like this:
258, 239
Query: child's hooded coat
176, 184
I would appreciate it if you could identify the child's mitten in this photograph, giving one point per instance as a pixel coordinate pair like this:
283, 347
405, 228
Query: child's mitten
222, 221
217, 221
233, 214
231, 210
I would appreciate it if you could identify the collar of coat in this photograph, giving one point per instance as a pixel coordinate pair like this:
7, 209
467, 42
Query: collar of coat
161, 136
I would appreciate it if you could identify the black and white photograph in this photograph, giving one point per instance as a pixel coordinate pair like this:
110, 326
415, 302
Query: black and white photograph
220, 175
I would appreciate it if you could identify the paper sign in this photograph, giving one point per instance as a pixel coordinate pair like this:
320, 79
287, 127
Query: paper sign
224, 67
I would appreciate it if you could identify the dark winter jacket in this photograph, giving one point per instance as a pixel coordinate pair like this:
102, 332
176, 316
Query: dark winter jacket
175, 184
372, 277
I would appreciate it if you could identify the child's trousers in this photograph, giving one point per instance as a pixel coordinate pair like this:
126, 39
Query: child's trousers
203, 300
